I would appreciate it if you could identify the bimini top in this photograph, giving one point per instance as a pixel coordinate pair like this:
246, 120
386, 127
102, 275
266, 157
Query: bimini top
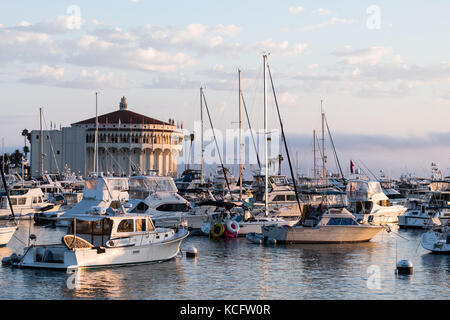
142, 186
362, 190
105, 188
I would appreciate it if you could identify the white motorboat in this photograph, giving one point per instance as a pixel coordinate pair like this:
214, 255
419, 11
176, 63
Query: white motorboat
333, 226
157, 197
368, 202
255, 224
437, 240
280, 195
103, 241
25, 202
423, 214
100, 194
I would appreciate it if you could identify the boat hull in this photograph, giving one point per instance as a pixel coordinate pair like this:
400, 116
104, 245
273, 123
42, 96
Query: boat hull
256, 227
6, 234
433, 242
64, 258
410, 222
325, 234
382, 217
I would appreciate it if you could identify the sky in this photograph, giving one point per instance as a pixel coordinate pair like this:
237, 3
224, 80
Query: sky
381, 68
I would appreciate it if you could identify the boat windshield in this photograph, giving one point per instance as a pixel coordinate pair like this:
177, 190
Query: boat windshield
341, 222
279, 181
18, 192
100, 227
142, 187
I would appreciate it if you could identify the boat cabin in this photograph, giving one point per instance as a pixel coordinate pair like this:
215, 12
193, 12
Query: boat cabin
23, 198
99, 230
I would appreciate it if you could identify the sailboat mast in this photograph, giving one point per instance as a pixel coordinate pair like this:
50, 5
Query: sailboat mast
42, 143
266, 160
96, 136
315, 164
201, 134
3, 154
324, 175
240, 138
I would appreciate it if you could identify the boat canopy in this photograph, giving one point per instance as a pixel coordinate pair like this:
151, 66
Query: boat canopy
364, 190
104, 188
141, 187
439, 186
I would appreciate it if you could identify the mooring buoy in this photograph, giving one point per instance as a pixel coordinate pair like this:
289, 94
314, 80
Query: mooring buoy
191, 252
404, 267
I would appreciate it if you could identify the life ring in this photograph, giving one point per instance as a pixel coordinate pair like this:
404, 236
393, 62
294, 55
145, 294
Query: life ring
232, 227
217, 230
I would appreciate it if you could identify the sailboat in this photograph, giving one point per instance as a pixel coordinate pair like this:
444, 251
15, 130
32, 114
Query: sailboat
327, 225
254, 223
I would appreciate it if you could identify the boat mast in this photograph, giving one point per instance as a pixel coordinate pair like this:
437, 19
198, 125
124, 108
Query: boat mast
201, 134
266, 160
324, 160
96, 136
315, 165
240, 138
3, 154
42, 144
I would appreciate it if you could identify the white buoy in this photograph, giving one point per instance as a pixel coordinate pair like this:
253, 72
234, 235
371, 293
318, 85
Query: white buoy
404, 267
191, 252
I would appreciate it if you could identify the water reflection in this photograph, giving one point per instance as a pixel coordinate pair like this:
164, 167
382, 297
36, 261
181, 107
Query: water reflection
237, 269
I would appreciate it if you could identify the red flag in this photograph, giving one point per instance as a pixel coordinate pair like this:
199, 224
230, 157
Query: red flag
351, 166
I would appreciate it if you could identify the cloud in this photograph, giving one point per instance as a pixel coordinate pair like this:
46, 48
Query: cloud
296, 10
54, 76
332, 22
180, 82
199, 38
322, 12
25, 46
283, 48
369, 56
93, 51
58, 25
288, 99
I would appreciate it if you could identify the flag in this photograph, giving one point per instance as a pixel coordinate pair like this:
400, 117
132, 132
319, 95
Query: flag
351, 166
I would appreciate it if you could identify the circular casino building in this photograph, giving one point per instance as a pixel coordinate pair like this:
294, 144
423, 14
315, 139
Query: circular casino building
128, 143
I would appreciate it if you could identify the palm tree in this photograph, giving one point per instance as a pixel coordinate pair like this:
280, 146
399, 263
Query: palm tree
16, 158
25, 134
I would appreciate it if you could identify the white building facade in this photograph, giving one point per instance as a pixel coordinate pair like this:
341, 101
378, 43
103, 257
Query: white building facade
128, 143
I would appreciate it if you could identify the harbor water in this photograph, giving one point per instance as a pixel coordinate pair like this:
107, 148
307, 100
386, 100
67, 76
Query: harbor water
237, 269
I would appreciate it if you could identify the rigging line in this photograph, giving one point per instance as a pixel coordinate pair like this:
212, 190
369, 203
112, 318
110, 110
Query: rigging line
217, 146
251, 131
369, 170
51, 144
334, 150
357, 163
120, 167
285, 143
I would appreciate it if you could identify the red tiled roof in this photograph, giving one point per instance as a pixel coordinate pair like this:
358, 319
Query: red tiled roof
125, 116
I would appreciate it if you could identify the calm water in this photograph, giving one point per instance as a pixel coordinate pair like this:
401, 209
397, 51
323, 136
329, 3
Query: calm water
237, 269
